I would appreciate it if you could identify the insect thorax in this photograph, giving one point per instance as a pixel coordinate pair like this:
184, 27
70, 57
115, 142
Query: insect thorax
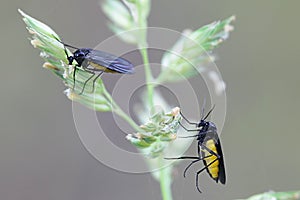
80, 55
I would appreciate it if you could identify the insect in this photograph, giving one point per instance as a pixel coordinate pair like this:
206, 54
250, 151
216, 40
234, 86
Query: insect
208, 149
96, 62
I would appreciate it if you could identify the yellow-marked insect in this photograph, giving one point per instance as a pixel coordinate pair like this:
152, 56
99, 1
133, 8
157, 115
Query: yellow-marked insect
208, 149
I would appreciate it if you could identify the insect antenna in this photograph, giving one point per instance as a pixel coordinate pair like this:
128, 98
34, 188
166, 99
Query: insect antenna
62, 44
202, 109
209, 112
67, 45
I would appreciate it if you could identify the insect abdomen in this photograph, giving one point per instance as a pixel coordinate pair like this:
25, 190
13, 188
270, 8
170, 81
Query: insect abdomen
212, 169
99, 67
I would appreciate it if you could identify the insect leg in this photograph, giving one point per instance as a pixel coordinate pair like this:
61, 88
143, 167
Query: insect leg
198, 150
183, 157
198, 159
201, 170
188, 121
211, 152
93, 74
74, 74
189, 136
193, 162
197, 182
189, 130
96, 79
187, 157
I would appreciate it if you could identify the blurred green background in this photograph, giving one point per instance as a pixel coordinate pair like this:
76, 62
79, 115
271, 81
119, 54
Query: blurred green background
42, 157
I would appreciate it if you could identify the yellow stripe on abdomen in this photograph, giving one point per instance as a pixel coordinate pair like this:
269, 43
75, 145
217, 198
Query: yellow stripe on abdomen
214, 167
100, 67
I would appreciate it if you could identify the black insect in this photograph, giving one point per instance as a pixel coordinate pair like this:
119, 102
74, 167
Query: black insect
208, 150
96, 62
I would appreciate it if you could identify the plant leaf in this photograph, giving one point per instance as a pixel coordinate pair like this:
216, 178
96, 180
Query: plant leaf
191, 54
127, 18
52, 51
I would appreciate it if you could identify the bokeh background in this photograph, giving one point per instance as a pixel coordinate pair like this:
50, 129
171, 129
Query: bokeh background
42, 157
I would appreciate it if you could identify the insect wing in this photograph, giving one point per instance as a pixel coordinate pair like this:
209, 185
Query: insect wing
110, 61
222, 176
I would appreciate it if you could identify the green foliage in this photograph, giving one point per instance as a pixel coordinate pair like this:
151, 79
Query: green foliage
52, 51
293, 195
157, 132
128, 19
191, 53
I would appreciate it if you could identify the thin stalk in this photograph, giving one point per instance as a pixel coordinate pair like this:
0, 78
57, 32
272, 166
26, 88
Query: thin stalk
116, 109
142, 23
148, 75
122, 114
164, 173
165, 183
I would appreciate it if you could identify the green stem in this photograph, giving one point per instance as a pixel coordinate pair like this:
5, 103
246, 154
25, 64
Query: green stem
116, 109
148, 75
165, 173
165, 183
142, 23
122, 114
